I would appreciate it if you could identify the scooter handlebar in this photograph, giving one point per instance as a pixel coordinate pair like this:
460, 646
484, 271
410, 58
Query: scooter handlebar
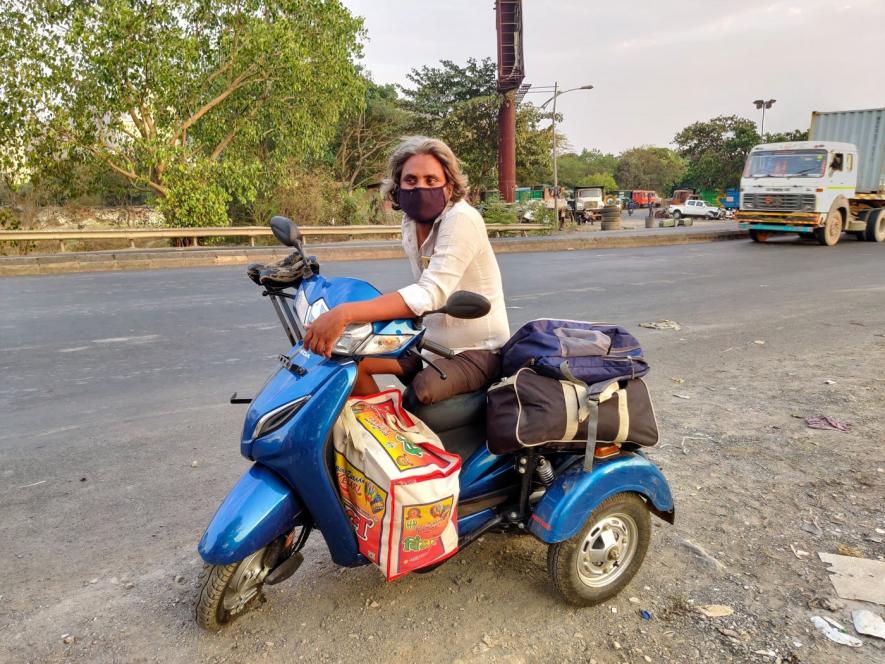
440, 350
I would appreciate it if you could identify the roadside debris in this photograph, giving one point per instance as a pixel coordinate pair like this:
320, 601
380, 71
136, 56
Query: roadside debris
715, 610
826, 422
646, 615
829, 382
678, 381
67, 638
701, 554
662, 324
28, 486
834, 634
682, 396
856, 578
759, 342
867, 622
798, 552
845, 550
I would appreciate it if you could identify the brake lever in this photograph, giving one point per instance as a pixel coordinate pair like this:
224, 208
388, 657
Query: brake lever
442, 374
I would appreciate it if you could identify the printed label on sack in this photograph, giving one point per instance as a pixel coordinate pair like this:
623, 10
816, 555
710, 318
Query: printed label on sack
404, 453
421, 536
364, 503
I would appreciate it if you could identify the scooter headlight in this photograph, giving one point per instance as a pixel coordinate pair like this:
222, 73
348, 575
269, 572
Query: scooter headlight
352, 338
314, 311
382, 344
276, 418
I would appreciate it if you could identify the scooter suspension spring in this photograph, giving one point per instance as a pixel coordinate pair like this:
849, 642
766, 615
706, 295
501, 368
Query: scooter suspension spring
545, 471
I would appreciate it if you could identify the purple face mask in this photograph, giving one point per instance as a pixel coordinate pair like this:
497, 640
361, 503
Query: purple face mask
423, 205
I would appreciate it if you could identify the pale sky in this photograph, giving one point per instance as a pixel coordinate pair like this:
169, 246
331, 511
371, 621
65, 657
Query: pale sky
656, 65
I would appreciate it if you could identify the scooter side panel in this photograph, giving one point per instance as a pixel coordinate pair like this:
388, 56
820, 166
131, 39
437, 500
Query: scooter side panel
258, 509
484, 472
564, 509
298, 451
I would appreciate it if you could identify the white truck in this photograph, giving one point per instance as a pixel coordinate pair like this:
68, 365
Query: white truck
694, 207
832, 183
588, 202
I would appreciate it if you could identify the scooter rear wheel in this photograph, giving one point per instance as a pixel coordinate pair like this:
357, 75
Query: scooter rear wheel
598, 562
229, 591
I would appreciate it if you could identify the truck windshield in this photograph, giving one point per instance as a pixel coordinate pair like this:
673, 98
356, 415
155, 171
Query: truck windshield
786, 164
591, 192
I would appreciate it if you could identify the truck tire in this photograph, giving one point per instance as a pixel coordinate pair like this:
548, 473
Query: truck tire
758, 236
875, 226
677, 214
832, 230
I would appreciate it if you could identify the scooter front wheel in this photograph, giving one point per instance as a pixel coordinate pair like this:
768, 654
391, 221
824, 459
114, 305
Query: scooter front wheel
228, 591
598, 562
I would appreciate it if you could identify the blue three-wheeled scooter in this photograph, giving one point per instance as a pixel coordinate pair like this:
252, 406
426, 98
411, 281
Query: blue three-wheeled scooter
596, 522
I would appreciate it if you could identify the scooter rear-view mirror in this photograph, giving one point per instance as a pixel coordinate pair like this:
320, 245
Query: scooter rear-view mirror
285, 231
464, 304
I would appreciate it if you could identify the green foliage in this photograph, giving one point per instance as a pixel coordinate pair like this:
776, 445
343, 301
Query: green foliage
787, 136
459, 104
716, 150
367, 135
578, 169
496, 211
656, 169
149, 89
194, 196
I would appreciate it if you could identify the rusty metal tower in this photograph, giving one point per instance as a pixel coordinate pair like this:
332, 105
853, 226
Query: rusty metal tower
511, 71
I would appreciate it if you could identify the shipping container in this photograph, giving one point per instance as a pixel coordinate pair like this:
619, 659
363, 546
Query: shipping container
866, 130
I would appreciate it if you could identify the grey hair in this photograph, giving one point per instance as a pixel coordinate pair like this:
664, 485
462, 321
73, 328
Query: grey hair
409, 147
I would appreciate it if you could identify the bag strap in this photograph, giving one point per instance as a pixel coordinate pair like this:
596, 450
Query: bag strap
593, 393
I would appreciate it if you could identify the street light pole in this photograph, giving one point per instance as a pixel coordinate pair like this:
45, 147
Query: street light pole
556, 94
555, 171
763, 104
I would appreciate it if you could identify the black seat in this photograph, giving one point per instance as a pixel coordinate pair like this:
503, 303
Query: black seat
460, 421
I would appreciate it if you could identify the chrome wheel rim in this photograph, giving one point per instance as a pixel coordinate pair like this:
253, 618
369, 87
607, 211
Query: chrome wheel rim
607, 550
246, 583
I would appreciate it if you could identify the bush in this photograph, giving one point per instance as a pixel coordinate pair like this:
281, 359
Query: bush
195, 198
496, 211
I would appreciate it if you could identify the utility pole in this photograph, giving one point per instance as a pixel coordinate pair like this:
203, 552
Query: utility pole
555, 170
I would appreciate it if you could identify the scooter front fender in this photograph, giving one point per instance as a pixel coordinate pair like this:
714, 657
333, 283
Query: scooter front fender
259, 508
564, 509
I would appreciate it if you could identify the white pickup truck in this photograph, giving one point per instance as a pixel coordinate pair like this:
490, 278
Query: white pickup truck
695, 208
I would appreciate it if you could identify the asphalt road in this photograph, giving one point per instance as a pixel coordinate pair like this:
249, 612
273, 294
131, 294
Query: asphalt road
117, 441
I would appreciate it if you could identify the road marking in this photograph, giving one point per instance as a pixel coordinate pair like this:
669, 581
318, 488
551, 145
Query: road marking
122, 340
73, 350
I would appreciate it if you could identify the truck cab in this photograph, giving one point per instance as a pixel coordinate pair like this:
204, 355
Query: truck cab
588, 201
803, 187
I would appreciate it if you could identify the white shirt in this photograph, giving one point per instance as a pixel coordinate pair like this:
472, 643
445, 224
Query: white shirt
456, 255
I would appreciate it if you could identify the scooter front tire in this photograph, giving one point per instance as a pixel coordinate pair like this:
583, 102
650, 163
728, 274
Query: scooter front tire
600, 560
229, 591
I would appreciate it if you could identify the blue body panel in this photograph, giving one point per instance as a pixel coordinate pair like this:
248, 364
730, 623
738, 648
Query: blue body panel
259, 508
563, 510
732, 199
484, 472
778, 228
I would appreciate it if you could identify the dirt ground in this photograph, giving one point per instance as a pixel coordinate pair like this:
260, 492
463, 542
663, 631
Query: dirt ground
751, 483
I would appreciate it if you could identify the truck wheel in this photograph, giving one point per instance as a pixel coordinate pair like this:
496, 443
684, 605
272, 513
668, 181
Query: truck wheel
677, 214
603, 557
875, 226
832, 230
759, 236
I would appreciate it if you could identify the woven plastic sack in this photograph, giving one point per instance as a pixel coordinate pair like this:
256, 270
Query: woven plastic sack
398, 485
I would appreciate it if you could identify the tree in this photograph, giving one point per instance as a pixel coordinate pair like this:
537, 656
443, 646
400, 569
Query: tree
365, 139
716, 150
787, 136
460, 105
195, 100
589, 167
656, 169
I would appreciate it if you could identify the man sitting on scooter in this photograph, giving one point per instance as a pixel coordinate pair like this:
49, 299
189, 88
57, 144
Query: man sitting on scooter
448, 248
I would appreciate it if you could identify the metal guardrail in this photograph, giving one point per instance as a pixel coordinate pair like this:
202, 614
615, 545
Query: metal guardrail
251, 232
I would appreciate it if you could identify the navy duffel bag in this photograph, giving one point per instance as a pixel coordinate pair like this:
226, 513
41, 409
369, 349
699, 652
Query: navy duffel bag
588, 353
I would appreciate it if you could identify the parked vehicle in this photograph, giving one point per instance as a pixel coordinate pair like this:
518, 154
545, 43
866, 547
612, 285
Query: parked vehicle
682, 195
695, 208
732, 199
595, 522
587, 203
643, 198
832, 183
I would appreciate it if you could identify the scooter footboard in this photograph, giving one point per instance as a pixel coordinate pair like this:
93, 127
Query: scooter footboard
259, 508
564, 509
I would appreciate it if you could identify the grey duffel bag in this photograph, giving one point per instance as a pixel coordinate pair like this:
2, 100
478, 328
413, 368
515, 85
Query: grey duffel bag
529, 410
